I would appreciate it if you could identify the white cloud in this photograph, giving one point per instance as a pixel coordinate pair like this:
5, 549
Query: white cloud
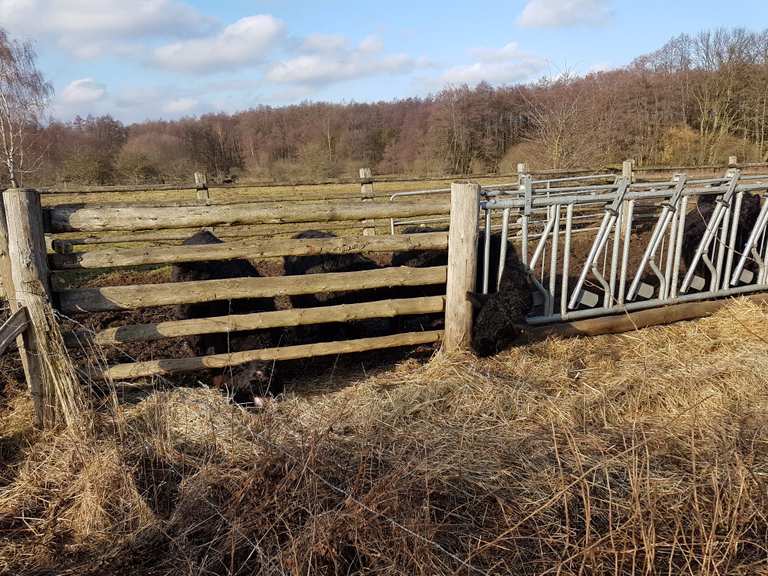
244, 43
327, 60
555, 13
181, 106
89, 28
323, 43
504, 65
83, 91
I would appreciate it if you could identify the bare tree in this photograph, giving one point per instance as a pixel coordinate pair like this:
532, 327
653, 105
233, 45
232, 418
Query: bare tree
24, 95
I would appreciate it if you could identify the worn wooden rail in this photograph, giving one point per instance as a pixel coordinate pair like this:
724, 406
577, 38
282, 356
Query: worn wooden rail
264, 320
178, 365
78, 218
115, 258
111, 298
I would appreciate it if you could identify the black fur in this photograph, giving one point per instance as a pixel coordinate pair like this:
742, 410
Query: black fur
328, 263
246, 379
498, 322
696, 224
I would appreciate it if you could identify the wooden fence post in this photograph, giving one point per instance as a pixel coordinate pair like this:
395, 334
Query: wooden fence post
367, 194
49, 370
627, 170
201, 185
29, 274
6, 277
462, 265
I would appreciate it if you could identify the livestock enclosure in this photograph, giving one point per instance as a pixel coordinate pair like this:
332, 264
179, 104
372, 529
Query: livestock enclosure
600, 246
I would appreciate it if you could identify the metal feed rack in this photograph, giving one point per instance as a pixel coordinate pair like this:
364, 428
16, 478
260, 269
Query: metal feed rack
543, 186
607, 283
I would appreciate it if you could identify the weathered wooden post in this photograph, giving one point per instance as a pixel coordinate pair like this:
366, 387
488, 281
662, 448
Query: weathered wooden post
201, 185
367, 195
29, 279
49, 371
522, 170
6, 277
627, 170
462, 264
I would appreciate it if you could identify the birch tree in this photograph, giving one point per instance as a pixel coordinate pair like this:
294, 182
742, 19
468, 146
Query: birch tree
24, 96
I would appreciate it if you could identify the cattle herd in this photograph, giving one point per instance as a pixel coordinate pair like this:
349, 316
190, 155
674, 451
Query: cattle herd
499, 319
256, 380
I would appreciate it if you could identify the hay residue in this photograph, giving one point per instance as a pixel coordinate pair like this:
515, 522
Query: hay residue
641, 453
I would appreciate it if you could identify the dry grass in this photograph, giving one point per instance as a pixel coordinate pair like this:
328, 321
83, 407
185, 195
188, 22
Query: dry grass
638, 454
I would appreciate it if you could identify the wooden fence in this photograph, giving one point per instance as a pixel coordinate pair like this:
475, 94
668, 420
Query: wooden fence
36, 280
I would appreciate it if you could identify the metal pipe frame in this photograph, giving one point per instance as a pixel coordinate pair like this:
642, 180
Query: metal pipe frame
610, 268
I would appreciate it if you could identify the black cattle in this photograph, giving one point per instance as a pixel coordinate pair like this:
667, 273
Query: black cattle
500, 315
247, 380
329, 263
696, 222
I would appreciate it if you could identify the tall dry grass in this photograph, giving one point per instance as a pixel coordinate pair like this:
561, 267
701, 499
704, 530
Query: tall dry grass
645, 453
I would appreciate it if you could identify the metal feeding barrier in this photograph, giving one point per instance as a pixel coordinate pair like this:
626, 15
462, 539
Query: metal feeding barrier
630, 254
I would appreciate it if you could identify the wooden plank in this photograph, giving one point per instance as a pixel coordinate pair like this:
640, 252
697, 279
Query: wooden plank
247, 249
629, 321
78, 218
462, 264
12, 328
142, 296
178, 365
65, 245
263, 320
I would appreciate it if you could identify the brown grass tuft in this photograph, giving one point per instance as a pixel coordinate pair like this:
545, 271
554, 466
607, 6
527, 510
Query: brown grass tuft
641, 453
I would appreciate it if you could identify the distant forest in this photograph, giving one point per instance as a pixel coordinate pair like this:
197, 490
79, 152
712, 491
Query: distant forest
697, 100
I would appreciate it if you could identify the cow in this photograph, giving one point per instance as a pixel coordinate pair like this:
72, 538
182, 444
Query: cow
331, 263
500, 315
697, 220
246, 382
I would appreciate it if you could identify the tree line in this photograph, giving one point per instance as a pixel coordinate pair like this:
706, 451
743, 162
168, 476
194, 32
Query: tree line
696, 100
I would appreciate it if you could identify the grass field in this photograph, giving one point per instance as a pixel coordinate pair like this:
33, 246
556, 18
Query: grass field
645, 453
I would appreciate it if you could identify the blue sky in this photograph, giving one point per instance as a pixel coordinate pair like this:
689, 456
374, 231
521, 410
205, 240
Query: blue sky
139, 59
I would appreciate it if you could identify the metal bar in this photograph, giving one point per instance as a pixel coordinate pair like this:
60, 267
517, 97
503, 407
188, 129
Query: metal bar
671, 256
732, 240
487, 251
504, 245
542, 201
644, 305
629, 213
609, 296
553, 259
722, 247
566, 259
681, 216
542, 242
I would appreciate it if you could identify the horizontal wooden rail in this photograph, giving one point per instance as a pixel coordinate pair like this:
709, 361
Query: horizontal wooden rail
12, 328
141, 296
263, 320
66, 245
79, 218
248, 249
178, 365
